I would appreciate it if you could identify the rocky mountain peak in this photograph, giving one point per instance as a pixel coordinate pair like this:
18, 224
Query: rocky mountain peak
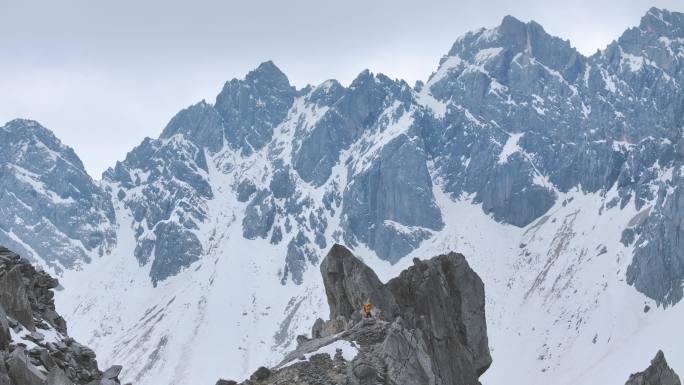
663, 22
513, 39
658, 27
364, 77
53, 210
427, 327
327, 93
268, 70
513, 150
442, 297
658, 373
29, 135
199, 123
513, 32
252, 107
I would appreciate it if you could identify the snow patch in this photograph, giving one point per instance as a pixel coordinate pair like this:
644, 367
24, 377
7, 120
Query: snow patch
510, 147
349, 351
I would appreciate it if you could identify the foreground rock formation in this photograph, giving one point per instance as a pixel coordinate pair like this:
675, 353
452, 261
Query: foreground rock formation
35, 348
428, 327
658, 373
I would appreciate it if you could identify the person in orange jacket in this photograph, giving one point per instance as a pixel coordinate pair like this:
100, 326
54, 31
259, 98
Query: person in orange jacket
367, 307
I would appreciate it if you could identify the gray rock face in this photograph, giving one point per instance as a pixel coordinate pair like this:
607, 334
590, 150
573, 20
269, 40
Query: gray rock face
164, 184
225, 382
5, 335
375, 210
282, 185
444, 299
317, 149
56, 376
390, 206
200, 123
49, 204
436, 336
658, 373
53, 360
349, 283
252, 107
658, 265
175, 248
299, 252
259, 216
512, 119
21, 371
245, 190
350, 113
14, 296
26, 294
526, 116
112, 372
406, 356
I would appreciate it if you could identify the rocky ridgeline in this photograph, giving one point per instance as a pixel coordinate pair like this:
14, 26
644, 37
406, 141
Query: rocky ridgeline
43, 185
428, 327
658, 373
35, 348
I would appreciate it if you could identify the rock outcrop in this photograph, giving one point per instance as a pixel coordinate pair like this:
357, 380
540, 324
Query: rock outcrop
444, 299
35, 348
658, 373
349, 283
428, 328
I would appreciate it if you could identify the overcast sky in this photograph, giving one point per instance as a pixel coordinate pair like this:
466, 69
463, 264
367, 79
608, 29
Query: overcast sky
104, 74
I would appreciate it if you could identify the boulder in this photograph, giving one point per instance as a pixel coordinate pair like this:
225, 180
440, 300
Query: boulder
47, 360
5, 336
4, 374
112, 372
317, 328
14, 297
56, 376
22, 371
349, 283
226, 382
407, 360
260, 374
444, 298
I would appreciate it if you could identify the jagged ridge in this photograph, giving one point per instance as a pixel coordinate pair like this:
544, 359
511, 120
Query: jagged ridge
35, 348
428, 327
571, 149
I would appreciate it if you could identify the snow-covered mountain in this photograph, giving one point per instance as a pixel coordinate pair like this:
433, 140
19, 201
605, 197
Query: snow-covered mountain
51, 210
558, 176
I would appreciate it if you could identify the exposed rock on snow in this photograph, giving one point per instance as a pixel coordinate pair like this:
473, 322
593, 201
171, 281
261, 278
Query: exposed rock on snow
658, 373
349, 283
562, 176
443, 298
52, 211
431, 331
35, 348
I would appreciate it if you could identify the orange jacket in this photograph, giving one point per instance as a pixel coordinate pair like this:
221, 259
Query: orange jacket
367, 307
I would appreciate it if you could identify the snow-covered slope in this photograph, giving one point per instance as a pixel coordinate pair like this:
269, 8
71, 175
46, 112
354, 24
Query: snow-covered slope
559, 177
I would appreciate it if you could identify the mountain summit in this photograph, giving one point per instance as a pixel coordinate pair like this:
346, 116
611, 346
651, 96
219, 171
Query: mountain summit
559, 175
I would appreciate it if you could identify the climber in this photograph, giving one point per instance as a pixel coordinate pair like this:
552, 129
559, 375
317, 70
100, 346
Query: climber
367, 307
